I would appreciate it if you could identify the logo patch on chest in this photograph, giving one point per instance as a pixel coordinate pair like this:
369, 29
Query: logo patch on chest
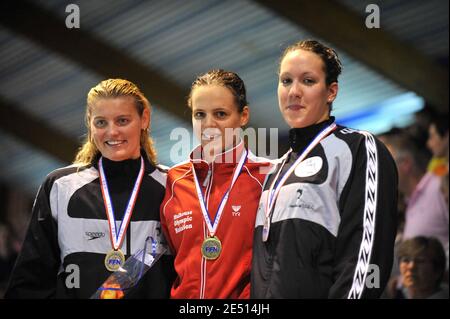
309, 167
182, 221
236, 211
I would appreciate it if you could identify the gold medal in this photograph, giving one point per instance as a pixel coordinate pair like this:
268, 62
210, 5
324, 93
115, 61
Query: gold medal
211, 248
114, 260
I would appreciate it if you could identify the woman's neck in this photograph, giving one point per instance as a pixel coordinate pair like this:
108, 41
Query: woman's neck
299, 138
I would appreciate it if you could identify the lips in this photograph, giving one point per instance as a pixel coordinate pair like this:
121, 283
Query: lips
210, 137
210, 134
409, 277
295, 107
114, 143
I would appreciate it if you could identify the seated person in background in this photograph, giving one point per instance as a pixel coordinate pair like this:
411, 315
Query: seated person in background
422, 266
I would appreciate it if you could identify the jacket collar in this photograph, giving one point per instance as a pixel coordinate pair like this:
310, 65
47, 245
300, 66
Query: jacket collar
229, 157
129, 167
299, 138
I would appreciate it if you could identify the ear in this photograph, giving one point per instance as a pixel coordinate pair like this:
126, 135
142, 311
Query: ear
245, 116
145, 119
333, 89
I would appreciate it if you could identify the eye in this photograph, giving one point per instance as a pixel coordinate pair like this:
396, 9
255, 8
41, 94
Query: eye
308, 81
221, 114
285, 81
198, 115
100, 123
123, 121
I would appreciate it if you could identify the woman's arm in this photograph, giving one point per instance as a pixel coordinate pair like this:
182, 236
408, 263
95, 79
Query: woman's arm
368, 206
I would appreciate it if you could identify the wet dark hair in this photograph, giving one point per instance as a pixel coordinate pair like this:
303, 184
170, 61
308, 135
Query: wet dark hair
227, 79
332, 64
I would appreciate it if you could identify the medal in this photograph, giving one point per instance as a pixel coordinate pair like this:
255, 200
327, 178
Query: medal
211, 248
114, 260
266, 229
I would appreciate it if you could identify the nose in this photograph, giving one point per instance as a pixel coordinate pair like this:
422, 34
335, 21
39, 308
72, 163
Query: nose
208, 122
295, 90
113, 129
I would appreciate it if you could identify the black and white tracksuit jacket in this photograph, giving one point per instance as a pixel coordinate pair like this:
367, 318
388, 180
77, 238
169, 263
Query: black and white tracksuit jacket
334, 222
69, 228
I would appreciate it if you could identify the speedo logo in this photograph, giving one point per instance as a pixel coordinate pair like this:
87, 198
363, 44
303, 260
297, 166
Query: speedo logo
94, 235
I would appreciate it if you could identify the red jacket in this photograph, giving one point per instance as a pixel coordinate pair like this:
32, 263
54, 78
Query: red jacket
184, 226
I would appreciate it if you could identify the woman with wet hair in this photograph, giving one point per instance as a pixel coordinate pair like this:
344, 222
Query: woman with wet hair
208, 213
326, 223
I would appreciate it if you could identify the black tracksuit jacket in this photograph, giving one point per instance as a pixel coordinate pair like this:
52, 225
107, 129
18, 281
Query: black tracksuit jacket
69, 227
334, 222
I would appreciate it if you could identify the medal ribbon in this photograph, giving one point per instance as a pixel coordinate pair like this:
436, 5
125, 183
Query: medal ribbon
117, 238
274, 190
212, 227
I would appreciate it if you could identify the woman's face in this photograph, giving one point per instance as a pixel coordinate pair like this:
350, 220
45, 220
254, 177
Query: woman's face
418, 272
215, 118
303, 95
116, 126
437, 144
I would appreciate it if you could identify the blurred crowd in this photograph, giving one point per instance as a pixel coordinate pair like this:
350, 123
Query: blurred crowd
14, 217
421, 153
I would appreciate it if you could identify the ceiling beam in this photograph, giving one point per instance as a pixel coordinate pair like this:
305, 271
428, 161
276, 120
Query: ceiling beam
83, 48
346, 30
36, 133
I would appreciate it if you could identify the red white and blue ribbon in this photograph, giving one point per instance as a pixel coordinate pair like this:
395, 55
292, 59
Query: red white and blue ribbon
117, 237
212, 227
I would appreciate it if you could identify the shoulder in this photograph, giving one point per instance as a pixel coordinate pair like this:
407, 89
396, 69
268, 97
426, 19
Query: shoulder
350, 136
252, 158
260, 165
364, 147
73, 171
159, 174
359, 138
68, 177
179, 170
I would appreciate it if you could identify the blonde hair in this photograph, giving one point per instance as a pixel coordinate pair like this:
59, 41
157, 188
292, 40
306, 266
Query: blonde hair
114, 88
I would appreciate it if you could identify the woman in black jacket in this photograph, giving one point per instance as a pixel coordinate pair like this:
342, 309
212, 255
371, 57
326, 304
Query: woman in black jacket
327, 217
89, 217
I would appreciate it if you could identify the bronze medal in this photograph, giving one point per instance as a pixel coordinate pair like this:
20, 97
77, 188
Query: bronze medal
114, 260
211, 248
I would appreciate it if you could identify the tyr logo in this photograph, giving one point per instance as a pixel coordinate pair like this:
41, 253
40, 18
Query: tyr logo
236, 211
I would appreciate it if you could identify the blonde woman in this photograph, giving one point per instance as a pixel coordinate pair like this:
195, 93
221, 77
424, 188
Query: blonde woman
90, 216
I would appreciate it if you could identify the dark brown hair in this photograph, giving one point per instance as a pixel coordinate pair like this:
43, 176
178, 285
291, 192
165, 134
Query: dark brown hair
227, 79
332, 64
